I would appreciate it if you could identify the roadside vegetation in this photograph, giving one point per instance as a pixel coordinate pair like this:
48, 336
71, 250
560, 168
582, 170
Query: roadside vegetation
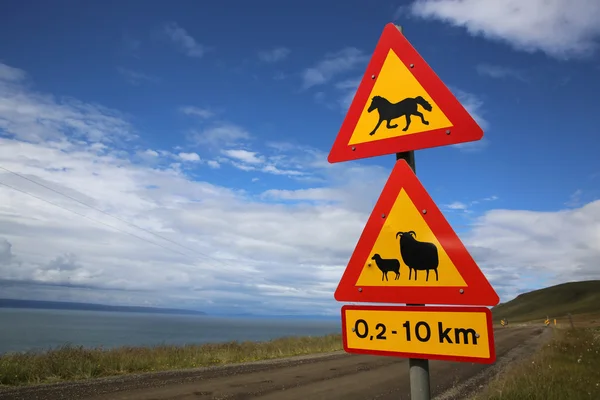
69, 363
577, 298
567, 368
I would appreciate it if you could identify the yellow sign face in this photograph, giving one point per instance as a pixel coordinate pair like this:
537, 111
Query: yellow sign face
405, 217
447, 333
398, 106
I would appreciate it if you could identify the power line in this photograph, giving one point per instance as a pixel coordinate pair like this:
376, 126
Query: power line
110, 215
92, 219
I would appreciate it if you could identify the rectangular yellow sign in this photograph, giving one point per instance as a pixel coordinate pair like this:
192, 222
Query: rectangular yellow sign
438, 333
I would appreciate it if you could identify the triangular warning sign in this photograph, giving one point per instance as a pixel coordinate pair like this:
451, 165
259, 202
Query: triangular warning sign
400, 105
408, 253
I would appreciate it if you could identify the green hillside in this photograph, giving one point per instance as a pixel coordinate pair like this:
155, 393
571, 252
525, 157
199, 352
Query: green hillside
554, 301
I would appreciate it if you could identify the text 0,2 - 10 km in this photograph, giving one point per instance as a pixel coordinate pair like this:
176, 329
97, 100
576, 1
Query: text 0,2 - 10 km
422, 332
448, 333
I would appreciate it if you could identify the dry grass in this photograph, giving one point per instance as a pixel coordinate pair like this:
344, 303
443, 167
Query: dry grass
568, 368
69, 363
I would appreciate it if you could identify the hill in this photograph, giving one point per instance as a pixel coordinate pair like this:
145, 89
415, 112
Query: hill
64, 305
554, 301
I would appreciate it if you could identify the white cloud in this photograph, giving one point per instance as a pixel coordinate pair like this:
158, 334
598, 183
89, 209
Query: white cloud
341, 99
498, 72
214, 133
220, 134
474, 106
197, 112
275, 170
189, 157
31, 116
6, 255
246, 160
152, 235
491, 198
213, 164
150, 152
553, 246
349, 84
348, 89
148, 156
465, 207
575, 199
274, 55
254, 248
559, 28
457, 205
248, 157
9, 74
332, 65
183, 40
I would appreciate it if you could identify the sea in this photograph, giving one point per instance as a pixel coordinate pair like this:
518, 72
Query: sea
39, 330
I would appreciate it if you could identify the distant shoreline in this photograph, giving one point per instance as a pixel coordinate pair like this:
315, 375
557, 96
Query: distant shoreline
75, 306
64, 305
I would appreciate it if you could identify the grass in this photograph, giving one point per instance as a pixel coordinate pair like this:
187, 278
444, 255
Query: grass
555, 301
70, 363
568, 368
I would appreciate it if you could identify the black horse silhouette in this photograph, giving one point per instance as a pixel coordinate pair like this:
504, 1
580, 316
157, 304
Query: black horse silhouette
389, 111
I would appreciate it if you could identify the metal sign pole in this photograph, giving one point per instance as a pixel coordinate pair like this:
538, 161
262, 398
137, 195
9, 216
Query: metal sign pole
418, 367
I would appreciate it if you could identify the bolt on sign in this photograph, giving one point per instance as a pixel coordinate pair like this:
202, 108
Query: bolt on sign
438, 333
400, 105
409, 253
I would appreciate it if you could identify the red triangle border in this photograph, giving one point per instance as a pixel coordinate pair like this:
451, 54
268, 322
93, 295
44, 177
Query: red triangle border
464, 129
477, 292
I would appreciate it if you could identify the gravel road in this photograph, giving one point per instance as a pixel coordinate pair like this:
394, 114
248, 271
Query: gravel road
327, 376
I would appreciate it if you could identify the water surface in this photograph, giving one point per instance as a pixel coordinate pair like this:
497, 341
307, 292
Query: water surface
28, 329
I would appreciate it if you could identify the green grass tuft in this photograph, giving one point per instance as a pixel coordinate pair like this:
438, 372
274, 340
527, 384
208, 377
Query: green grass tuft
568, 368
68, 363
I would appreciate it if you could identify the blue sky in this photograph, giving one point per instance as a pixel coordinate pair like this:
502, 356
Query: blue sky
209, 125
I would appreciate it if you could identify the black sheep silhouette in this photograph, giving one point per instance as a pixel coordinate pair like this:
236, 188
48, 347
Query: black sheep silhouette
389, 111
420, 256
386, 265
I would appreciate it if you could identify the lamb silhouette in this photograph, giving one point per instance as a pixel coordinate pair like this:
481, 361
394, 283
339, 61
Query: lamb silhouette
389, 111
386, 265
420, 256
